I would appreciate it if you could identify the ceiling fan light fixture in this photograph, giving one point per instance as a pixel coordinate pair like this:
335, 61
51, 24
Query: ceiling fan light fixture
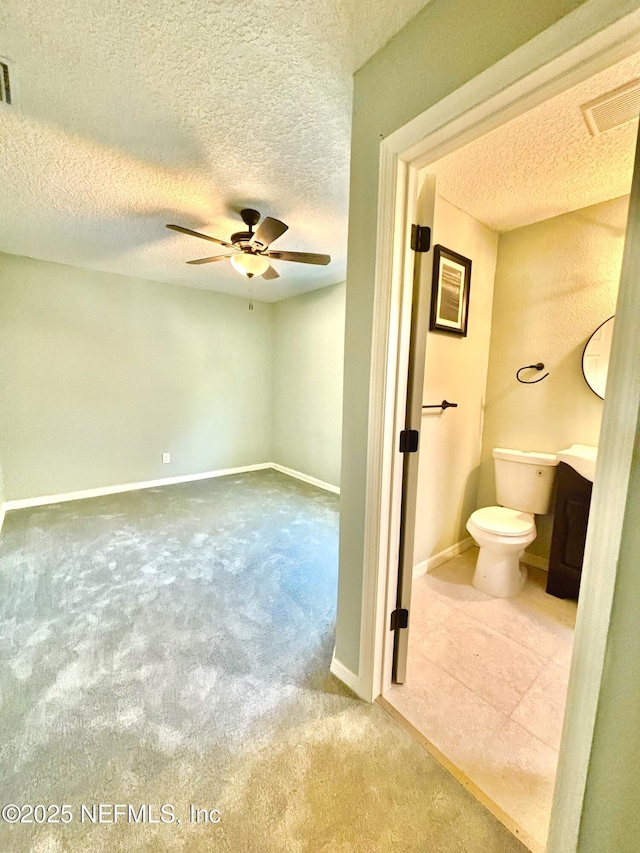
252, 257
249, 264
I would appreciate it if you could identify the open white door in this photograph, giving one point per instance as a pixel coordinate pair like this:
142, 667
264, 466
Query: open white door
420, 310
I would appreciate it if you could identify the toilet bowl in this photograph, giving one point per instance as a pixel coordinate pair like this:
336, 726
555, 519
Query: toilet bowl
524, 481
502, 534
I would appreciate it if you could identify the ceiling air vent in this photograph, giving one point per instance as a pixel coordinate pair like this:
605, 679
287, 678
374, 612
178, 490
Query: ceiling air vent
6, 95
613, 109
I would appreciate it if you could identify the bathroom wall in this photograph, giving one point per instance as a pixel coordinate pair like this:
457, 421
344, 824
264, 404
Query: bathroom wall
556, 281
456, 370
308, 356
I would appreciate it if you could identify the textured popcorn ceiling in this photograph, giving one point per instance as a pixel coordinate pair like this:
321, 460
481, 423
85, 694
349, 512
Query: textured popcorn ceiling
134, 114
544, 162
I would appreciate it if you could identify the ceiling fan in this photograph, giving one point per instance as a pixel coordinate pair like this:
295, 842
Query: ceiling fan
250, 249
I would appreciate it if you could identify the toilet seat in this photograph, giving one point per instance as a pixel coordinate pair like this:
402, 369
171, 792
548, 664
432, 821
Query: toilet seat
502, 521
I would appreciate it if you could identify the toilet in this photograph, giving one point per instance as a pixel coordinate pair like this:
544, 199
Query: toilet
524, 481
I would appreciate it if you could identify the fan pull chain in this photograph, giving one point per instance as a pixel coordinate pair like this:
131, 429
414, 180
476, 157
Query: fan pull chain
250, 295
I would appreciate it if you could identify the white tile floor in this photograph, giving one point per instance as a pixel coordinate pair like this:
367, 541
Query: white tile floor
486, 685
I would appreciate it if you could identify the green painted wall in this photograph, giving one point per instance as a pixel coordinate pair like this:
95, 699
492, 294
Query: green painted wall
104, 373
611, 815
308, 359
444, 46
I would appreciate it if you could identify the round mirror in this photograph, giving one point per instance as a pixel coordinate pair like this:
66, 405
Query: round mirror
595, 358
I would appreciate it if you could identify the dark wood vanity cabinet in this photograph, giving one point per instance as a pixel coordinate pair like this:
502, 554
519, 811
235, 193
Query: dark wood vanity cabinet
573, 498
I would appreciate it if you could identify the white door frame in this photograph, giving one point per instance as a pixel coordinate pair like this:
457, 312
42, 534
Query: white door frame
560, 57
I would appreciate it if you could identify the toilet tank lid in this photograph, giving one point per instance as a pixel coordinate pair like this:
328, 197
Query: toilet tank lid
530, 457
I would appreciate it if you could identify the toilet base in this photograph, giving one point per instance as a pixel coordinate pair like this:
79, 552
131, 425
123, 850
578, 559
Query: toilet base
498, 574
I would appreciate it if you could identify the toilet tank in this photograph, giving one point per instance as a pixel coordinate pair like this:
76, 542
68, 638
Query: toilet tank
524, 479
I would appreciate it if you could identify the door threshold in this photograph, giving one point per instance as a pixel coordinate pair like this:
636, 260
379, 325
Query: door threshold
499, 813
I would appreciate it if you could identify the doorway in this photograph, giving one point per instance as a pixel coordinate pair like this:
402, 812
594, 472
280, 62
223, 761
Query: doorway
487, 676
407, 177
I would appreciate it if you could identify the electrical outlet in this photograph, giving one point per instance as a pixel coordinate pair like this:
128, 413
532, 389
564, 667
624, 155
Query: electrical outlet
166, 457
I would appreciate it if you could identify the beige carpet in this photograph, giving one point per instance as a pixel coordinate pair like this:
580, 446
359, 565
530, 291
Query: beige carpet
171, 648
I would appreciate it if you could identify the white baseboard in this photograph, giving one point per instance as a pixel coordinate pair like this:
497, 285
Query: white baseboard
443, 557
43, 500
306, 478
346, 676
130, 487
534, 560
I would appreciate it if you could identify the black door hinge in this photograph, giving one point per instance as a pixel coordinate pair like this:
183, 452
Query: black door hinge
420, 238
399, 619
409, 441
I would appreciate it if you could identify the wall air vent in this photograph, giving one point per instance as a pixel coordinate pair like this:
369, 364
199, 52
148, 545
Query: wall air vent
613, 109
7, 94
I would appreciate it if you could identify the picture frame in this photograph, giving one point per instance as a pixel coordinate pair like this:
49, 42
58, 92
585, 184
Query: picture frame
450, 292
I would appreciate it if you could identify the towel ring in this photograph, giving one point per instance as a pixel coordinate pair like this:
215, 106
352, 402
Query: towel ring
538, 366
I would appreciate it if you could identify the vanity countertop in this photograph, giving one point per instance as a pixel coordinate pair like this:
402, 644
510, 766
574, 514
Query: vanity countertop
582, 458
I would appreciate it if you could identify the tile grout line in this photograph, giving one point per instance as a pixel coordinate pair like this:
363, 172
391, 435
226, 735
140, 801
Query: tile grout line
506, 636
453, 675
544, 659
518, 723
530, 734
466, 687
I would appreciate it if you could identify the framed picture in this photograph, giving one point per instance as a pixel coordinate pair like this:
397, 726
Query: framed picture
450, 292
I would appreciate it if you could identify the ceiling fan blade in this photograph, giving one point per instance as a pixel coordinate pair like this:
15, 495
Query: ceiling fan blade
300, 257
210, 260
202, 236
271, 273
269, 230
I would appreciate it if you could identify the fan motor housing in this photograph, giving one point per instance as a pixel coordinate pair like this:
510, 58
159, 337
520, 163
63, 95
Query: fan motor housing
241, 238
